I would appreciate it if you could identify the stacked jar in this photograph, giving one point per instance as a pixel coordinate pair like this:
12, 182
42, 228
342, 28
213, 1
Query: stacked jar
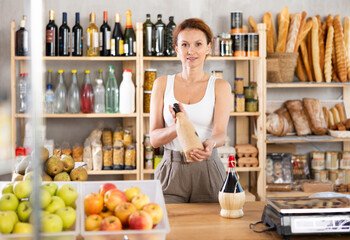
245, 97
150, 77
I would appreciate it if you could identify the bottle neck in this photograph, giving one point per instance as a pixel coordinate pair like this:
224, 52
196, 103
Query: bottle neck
49, 78
74, 77
128, 21
60, 77
87, 78
64, 19
100, 75
77, 18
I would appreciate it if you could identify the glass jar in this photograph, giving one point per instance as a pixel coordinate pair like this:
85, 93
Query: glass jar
130, 157
239, 89
107, 137
240, 103
251, 105
118, 134
150, 77
127, 137
218, 74
107, 157
146, 101
249, 92
118, 155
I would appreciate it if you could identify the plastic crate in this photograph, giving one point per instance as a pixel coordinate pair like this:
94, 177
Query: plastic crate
150, 187
64, 235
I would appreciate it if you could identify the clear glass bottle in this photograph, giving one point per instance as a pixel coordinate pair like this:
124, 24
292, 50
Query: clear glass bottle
112, 92
99, 96
22, 93
49, 99
159, 37
60, 103
127, 93
92, 44
148, 33
87, 94
74, 94
100, 75
170, 51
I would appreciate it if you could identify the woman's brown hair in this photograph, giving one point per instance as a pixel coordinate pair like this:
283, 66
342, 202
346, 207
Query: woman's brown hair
193, 23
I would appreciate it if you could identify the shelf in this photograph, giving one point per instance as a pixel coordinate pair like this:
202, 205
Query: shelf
83, 58
80, 115
307, 85
112, 172
237, 169
232, 114
304, 139
208, 58
290, 194
148, 171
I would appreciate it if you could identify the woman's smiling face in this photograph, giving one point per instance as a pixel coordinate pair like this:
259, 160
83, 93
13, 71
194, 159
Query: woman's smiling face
192, 47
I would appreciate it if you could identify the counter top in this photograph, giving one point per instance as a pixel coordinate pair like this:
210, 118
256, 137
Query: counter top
203, 221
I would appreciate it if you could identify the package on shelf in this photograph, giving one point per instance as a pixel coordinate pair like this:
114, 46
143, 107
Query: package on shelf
278, 168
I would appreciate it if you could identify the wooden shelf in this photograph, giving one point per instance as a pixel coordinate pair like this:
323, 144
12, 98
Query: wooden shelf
210, 58
232, 114
307, 85
291, 194
112, 172
80, 115
305, 139
247, 169
148, 171
83, 58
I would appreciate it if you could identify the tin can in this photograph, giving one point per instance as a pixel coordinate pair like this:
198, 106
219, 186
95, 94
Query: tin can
147, 101
239, 44
320, 175
236, 22
333, 175
332, 161
252, 47
347, 176
345, 161
341, 177
150, 77
317, 160
157, 160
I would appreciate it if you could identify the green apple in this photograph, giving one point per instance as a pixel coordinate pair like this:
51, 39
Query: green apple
23, 228
51, 223
42, 214
22, 189
6, 222
14, 216
24, 211
50, 187
45, 198
68, 194
55, 204
68, 216
7, 188
8, 202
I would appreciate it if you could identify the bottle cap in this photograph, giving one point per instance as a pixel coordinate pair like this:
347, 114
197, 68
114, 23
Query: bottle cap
60, 71
231, 161
49, 70
105, 16
100, 70
21, 74
128, 13
127, 70
77, 16
52, 15
111, 68
151, 70
159, 16
49, 86
171, 18
64, 17
92, 17
74, 71
87, 71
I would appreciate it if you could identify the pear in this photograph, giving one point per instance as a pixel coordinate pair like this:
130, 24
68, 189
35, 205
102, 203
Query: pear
63, 176
53, 166
79, 174
46, 177
17, 177
44, 155
68, 163
22, 165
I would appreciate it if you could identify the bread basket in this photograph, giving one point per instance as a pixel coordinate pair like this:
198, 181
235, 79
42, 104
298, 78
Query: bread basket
281, 67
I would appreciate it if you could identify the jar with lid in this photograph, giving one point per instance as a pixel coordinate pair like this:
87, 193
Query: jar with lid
118, 134
251, 105
127, 137
118, 155
107, 157
150, 77
107, 137
225, 45
249, 92
130, 157
239, 83
147, 101
148, 152
240, 103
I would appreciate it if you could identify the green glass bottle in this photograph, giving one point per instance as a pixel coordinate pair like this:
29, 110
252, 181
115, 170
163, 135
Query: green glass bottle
112, 93
148, 33
129, 37
170, 51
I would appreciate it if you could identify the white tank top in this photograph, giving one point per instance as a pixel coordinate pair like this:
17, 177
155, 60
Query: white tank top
201, 114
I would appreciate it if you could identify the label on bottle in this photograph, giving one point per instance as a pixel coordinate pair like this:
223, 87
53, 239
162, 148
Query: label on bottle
134, 48
95, 40
121, 47
107, 40
112, 47
49, 98
50, 36
126, 48
25, 41
100, 41
73, 39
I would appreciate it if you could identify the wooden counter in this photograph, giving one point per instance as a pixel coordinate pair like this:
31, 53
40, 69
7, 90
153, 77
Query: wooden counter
203, 221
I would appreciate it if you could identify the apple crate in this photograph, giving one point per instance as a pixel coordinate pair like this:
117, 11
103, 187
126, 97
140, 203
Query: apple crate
152, 188
73, 232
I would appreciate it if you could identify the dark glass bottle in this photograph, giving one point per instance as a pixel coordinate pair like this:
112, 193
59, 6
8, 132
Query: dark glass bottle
170, 51
51, 36
22, 39
63, 38
129, 37
159, 37
117, 38
148, 33
105, 36
231, 183
77, 37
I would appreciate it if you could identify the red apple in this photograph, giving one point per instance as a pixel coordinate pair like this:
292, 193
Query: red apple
106, 187
93, 222
113, 197
123, 211
105, 214
93, 203
111, 223
155, 211
140, 220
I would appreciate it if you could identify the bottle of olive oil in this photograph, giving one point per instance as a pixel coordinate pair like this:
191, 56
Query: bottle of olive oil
129, 37
92, 37
148, 34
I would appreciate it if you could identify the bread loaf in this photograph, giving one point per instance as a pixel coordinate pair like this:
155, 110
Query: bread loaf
301, 33
305, 58
336, 116
283, 30
252, 24
293, 32
347, 41
314, 113
325, 115
298, 116
300, 70
328, 55
331, 124
329, 20
285, 127
309, 52
340, 50
341, 112
341, 127
347, 124
315, 50
269, 32
274, 124
321, 36
284, 112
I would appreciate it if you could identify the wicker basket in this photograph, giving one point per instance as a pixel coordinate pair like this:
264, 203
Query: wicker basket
281, 67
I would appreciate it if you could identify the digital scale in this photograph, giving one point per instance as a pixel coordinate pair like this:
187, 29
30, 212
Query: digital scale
301, 216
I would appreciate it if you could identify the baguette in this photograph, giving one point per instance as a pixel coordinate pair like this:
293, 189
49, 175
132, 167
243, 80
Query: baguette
274, 33
293, 32
269, 32
309, 52
321, 37
347, 124
315, 50
347, 41
331, 123
341, 112
278, 20
329, 20
305, 57
325, 115
328, 55
334, 74
301, 28
340, 50
300, 71
283, 30
335, 115
252, 24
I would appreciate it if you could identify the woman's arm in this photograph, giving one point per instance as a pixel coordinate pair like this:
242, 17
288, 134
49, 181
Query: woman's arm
159, 134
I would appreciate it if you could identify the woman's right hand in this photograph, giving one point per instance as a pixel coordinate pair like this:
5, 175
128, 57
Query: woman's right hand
172, 112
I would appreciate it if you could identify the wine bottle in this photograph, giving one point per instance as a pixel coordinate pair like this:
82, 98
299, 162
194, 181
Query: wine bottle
51, 36
105, 36
129, 37
77, 37
231, 195
170, 51
22, 39
148, 33
186, 133
117, 40
64, 37
92, 37
159, 36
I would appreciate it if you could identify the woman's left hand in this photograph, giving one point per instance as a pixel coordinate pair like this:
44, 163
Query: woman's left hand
199, 155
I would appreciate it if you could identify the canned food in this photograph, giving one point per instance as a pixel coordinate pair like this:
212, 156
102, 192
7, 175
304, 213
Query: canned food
239, 89
239, 44
240, 103
249, 92
150, 77
333, 175
332, 160
148, 152
320, 175
147, 101
317, 160
345, 161
347, 176
252, 45
236, 22
251, 105
341, 177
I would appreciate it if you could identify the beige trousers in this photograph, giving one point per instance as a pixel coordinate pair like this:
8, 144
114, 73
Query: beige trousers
193, 182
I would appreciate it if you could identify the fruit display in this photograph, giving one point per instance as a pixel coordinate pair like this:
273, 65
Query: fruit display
54, 168
57, 201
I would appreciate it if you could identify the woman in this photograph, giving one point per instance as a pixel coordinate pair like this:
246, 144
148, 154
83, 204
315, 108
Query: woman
206, 102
